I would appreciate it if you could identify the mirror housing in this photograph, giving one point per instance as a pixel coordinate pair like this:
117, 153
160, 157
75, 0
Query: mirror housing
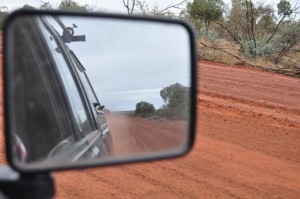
24, 110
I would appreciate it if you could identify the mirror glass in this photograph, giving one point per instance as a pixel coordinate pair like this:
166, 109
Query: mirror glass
96, 89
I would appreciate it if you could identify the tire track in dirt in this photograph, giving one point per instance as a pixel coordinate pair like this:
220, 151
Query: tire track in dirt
246, 110
282, 144
267, 117
254, 105
244, 84
163, 184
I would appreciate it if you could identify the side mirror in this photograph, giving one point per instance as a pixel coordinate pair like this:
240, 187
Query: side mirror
59, 65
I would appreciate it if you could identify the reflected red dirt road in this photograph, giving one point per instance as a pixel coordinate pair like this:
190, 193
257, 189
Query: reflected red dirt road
132, 135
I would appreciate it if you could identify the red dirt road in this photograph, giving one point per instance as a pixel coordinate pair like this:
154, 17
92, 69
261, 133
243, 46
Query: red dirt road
247, 146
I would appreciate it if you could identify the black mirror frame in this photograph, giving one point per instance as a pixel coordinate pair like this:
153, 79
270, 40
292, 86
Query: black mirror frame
193, 94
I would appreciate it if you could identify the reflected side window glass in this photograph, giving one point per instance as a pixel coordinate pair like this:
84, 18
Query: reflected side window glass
71, 88
34, 101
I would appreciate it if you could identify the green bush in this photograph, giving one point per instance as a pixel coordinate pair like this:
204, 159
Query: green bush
144, 109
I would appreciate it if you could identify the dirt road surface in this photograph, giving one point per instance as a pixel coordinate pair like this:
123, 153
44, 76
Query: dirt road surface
247, 146
134, 136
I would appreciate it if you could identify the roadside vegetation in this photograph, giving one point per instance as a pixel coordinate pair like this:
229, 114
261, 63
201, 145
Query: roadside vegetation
175, 107
261, 35
258, 35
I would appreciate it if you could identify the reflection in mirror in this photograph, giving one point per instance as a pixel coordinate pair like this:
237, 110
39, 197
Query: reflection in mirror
84, 89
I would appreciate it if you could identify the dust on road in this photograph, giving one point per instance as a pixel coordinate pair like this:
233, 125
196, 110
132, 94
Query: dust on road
133, 136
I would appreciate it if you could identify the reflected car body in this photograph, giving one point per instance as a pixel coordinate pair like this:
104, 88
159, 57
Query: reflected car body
57, 98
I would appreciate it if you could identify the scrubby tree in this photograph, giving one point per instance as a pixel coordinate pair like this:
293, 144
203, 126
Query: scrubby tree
140, 7
284, 8
46, 5
284, 11
129, 5
144, 109
28, 7
206, 11
266, 20
174, 95
287, 38
258, 32
71, 5
176, 98
166, 112
67, 5
240, 24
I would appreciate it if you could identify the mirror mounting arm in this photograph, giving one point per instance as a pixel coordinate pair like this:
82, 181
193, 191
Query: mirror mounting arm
68, 33
31, 185
68, 36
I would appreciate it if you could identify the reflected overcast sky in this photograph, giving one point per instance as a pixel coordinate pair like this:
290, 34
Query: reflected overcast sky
131, 61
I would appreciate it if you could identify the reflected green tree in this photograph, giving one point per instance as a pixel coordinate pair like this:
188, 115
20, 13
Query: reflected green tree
176, 98
144, 109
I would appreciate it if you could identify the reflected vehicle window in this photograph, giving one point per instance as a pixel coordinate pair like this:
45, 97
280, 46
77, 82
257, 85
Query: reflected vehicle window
84, 80
57, 112
93, 100
34, 100
75, 98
